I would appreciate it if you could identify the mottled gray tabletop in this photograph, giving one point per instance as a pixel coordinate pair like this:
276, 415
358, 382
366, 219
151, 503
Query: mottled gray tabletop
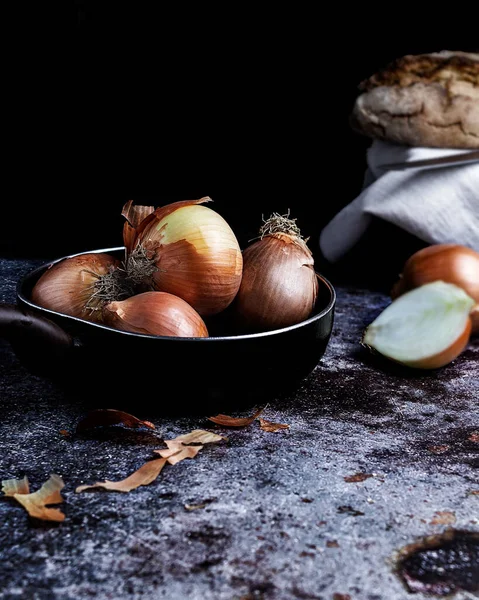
372, 493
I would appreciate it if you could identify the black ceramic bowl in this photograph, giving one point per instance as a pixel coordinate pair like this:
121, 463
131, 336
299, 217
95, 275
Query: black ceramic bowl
112, 368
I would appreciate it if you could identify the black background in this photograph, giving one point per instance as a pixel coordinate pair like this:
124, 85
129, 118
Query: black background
250, 107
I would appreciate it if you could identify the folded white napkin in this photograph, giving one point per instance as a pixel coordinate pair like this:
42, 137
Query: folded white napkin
437, 205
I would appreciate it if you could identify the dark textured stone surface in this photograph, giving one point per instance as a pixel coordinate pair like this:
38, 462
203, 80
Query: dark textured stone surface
279, 520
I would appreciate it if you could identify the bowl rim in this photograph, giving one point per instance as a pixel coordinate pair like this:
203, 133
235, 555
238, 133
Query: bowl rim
35, 273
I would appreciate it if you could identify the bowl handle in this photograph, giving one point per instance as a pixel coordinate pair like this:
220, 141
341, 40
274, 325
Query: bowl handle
41, 345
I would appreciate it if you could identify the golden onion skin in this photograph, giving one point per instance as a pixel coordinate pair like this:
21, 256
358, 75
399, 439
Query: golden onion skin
196, 254
155, 313
68, 286
279, 285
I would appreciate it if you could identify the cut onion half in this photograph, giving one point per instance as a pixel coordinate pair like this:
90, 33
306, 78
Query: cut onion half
425, 328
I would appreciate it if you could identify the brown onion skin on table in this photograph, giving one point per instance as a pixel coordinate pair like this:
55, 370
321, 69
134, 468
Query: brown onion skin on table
68, 285
452, 263
279, 286
155, 313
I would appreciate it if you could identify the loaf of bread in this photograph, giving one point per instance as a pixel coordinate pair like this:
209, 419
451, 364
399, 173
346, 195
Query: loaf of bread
429, 100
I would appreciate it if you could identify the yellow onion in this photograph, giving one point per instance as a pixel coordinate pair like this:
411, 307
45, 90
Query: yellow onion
452, 263
79, 286
155, 313
425, 328
279, 285
185, 249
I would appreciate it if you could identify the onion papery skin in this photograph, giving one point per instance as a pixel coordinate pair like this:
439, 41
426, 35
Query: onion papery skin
155, 313
70, 286
196, 254
451, 263
279, 287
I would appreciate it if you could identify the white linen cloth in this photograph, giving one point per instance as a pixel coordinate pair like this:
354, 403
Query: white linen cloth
437, 205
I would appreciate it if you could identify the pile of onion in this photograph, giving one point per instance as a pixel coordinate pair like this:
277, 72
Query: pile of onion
452, 263
279, 285
182, 261
183, 264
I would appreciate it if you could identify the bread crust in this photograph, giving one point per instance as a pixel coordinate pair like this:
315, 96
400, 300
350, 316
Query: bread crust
429, 100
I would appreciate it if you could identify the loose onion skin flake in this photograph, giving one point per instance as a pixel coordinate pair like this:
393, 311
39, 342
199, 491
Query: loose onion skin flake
145, 475
37, 503
188, 445
228, 421
10, 487
271, 426
104, 417
425, 328
79, 286
178, 449
279, 285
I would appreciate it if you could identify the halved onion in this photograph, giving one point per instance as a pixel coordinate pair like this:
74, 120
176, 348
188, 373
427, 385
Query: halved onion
425, 328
